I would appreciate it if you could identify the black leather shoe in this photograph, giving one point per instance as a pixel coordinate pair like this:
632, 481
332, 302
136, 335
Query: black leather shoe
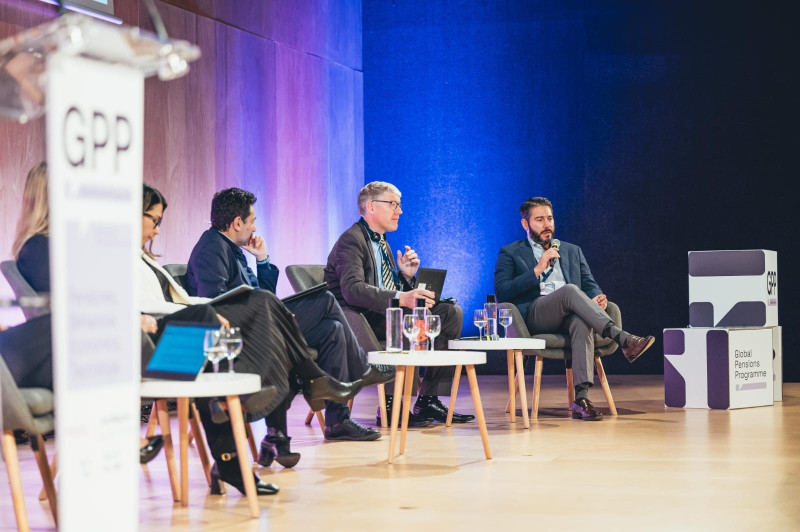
150, 450
635, 346
277, 447
429, 406
585, 410
231, 474
317, 391
350, 430
378, 375
414, 421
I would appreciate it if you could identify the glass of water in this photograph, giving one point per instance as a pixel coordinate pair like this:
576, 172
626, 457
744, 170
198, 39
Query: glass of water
479, 319
411, 329
504, 317
434, 323
213, 349
233, 342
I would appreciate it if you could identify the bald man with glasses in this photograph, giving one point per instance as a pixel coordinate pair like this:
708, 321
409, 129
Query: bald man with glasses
364, 274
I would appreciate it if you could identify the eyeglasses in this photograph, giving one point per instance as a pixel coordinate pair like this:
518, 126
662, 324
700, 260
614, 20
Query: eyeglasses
156, 219
394, 205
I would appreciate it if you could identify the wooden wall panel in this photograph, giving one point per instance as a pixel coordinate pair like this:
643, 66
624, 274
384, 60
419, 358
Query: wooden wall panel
326, 28
280, 115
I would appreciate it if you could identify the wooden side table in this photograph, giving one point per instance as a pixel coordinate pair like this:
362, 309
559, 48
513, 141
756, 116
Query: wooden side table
229, 385
406, 361
513, 348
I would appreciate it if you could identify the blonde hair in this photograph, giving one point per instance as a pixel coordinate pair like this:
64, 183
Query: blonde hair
33, 219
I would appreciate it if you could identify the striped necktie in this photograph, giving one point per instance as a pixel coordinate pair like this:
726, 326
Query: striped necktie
387, 272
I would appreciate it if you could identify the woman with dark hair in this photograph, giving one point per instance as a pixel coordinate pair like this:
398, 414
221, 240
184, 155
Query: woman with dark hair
273, 346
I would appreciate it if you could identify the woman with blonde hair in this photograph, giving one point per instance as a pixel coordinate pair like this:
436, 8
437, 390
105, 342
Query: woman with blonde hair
31, 238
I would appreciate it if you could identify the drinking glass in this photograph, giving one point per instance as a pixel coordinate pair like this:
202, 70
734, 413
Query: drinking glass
504, 317
434, 323
212, 348
233, 342
410, 329
479, 319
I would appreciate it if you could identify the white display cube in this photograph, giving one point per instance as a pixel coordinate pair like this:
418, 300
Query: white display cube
719, 368
736, 288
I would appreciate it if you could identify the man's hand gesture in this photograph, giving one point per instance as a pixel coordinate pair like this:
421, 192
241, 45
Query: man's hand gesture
408, 263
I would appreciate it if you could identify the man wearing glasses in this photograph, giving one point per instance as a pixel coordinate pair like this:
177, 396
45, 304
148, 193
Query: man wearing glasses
363, 275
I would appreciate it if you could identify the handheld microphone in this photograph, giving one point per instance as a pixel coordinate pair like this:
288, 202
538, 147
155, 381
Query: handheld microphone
556, 243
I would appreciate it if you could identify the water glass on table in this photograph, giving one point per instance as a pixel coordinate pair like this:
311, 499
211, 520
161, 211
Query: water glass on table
213, 349
410, 329
479, 319
504, 317
434, 323
233, 342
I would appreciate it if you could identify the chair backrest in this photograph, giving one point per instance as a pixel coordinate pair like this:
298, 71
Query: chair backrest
178, 272
23, 291
303, 276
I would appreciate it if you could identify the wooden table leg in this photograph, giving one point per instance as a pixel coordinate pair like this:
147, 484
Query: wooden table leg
406, 406
169, 452
200, 441
183, 428
512, 386
382, 404
476, 399
398, 392
453, 394
237, 424
537, 386
526, 422
152, 422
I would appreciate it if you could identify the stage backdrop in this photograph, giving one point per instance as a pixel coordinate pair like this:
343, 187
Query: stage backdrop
274, 106
654, 127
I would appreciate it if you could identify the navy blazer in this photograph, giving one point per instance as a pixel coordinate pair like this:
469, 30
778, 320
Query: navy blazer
217, 265
515, 282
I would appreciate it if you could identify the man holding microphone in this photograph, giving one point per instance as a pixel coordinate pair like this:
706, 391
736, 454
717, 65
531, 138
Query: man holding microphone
551, 284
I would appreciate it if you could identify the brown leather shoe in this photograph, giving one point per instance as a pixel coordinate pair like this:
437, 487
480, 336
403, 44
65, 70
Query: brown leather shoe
635, 346
584, 409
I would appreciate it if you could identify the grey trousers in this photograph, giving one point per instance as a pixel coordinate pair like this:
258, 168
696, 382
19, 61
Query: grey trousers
569, 310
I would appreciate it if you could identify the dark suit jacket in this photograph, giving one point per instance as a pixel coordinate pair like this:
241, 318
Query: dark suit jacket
352, 275
515, 282
217, 265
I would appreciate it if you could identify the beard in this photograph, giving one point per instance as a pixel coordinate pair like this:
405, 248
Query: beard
542, 241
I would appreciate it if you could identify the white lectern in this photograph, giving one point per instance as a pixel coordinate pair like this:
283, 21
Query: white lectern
90, 77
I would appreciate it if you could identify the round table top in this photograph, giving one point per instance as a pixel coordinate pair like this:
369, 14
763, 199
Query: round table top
206, 385
502, 344
427, 358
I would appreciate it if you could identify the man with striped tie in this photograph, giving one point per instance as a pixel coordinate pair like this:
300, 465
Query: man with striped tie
363, 274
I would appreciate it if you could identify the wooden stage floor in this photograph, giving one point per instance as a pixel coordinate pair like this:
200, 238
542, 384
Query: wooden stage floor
651, 468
